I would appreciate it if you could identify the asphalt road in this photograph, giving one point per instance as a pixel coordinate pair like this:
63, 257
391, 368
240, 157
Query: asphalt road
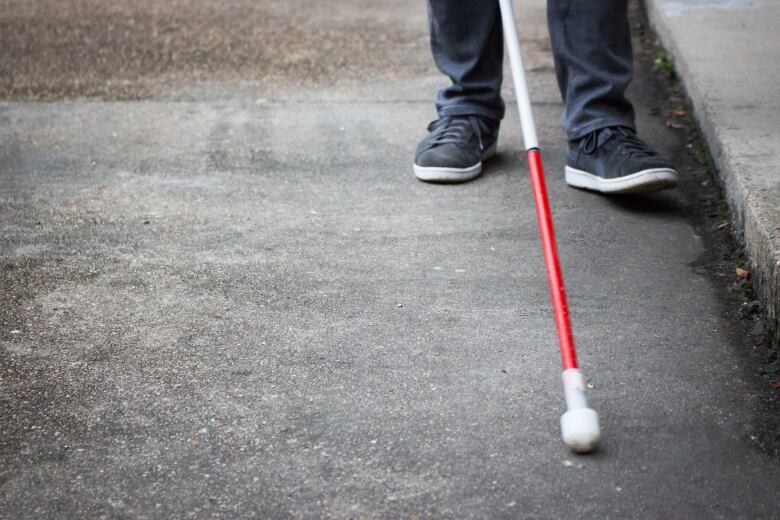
231, 298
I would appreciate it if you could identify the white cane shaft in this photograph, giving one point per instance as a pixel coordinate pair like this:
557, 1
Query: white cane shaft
518, 75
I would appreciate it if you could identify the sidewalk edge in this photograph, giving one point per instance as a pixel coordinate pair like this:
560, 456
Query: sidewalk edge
751, 232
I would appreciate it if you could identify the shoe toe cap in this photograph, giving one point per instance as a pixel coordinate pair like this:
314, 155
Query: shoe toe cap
446, 156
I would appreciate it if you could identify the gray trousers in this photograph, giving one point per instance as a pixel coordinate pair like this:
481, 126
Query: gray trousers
591, 46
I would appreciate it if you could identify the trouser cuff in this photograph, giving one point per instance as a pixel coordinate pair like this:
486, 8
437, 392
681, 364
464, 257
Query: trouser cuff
598, 124
468, 110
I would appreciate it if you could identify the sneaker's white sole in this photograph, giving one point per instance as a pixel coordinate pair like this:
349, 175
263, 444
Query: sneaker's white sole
438, 174
653, 179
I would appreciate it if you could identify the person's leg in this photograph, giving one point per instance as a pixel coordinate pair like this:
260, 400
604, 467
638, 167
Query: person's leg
467, 45
591, 45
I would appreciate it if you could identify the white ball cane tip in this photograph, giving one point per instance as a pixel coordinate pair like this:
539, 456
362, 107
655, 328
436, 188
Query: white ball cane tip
580, 429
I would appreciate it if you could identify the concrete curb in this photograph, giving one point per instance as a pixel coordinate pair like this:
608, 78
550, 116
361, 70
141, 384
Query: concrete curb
727, 56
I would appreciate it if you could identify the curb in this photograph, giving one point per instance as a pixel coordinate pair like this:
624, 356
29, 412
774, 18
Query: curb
749, 191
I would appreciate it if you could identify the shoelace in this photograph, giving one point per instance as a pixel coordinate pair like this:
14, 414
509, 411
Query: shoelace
455, 130
628, 143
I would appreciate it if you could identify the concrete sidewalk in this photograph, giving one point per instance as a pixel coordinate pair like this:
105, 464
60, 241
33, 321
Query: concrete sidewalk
727, 54
234, 300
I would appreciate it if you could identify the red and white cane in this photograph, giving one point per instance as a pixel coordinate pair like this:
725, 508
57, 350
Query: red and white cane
579, 424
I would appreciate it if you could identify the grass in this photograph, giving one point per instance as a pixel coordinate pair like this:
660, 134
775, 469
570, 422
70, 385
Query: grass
663, 63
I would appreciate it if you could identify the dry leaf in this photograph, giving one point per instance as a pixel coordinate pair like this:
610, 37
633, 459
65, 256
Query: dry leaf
776, 385
672, 124
679, 112
721, 226
742, 273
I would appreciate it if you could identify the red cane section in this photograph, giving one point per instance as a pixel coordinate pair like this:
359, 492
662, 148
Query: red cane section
557, 291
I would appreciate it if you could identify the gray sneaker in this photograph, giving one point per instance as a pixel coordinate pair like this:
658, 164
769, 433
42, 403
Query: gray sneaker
455, 148
616, 160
